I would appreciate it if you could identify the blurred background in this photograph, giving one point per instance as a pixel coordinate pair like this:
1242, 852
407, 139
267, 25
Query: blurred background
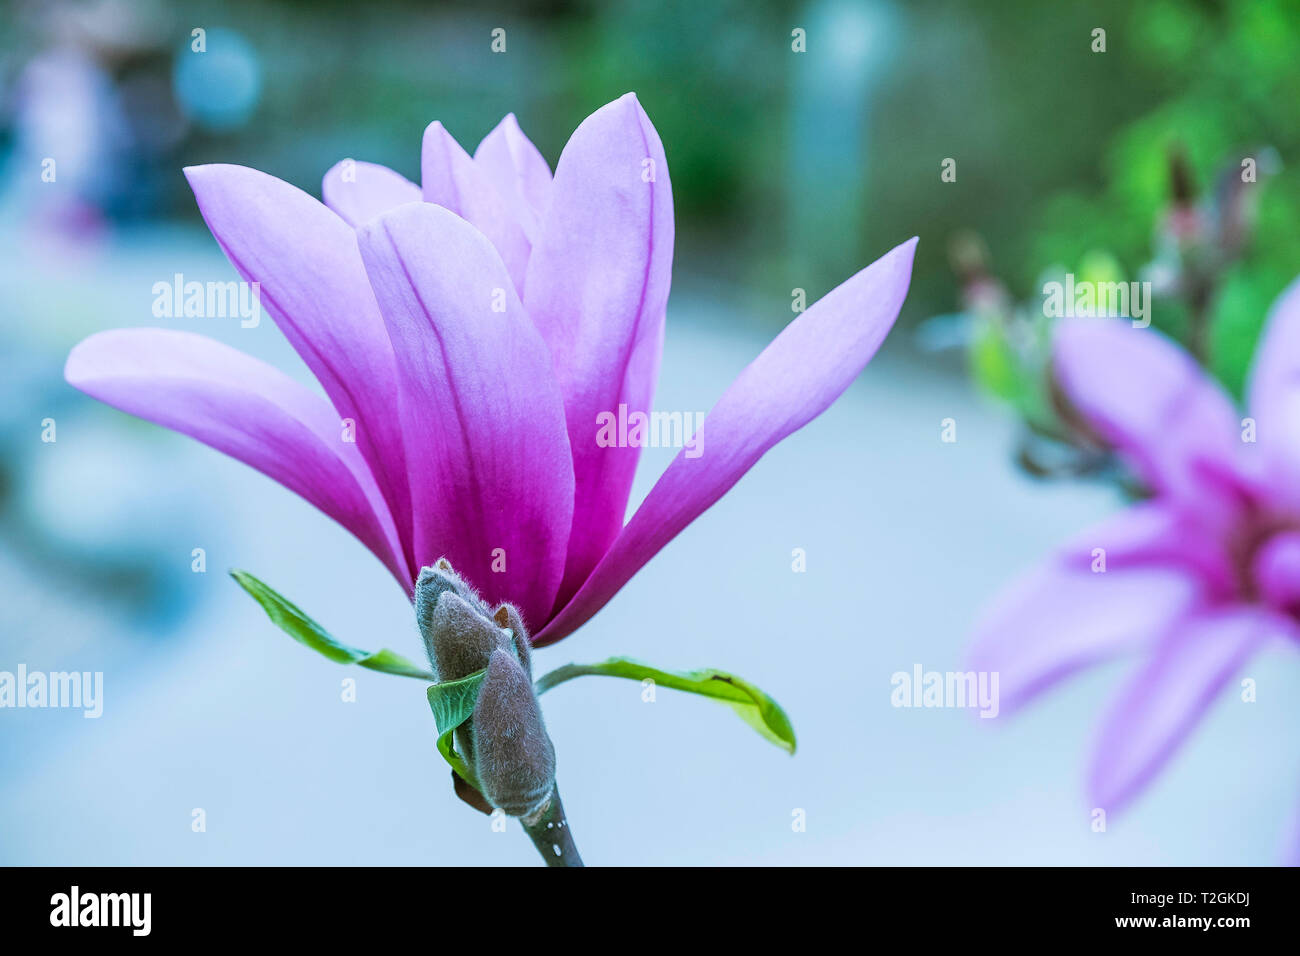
789, 170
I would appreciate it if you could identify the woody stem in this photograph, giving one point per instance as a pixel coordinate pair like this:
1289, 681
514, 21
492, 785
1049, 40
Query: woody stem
549, 830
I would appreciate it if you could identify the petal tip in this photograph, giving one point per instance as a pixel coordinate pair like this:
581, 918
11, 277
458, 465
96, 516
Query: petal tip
209, 180
194, 175
435, 130
407, 211
906, 250
204, 171
74, 364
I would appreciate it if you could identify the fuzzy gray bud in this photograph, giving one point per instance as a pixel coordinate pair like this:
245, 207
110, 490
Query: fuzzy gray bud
432, 583
507, 615
513, 755
460, 640
505, 741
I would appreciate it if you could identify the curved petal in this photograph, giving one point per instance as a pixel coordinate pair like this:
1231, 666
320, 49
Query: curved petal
1147, 397
358, 191
796, 378
451, 179
1169, 694
1063, 615
313, 284
597, 289
515, 167
484, 420
1275, 386
245, 408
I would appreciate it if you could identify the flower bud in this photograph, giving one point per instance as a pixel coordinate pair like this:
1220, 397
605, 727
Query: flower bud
432, 583
505, 740
460, 640
513, 755
507, 615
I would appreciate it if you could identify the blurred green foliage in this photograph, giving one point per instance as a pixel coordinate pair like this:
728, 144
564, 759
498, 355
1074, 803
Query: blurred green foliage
1231, 80
1061, 152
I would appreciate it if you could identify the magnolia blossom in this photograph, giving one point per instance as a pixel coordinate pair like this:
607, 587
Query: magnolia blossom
1194, 580
469, 334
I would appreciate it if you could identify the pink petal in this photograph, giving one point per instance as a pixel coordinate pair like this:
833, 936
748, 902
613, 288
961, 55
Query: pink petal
359, 191
795, 379
1275, 388
314, 286
490, 464
1189, 668
597, 288
247, 409
517, 170
1148, 398
454, 181
1063, 615
1291, 852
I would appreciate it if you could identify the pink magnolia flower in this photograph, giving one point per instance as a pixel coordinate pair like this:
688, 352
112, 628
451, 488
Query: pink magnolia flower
467, 333
1197, 578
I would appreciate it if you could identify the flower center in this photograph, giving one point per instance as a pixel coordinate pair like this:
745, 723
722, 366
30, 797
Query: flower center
1275, 570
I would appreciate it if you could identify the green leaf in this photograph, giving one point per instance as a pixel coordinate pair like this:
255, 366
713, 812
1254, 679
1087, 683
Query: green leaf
305, 631
754, 706
994, 363
452, 704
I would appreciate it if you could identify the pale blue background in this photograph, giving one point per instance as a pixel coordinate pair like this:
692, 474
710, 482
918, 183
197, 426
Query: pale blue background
208, 705
781, 168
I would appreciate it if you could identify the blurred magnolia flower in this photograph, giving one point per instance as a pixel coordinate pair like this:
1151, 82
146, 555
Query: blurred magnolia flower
1197, 578
468, 333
